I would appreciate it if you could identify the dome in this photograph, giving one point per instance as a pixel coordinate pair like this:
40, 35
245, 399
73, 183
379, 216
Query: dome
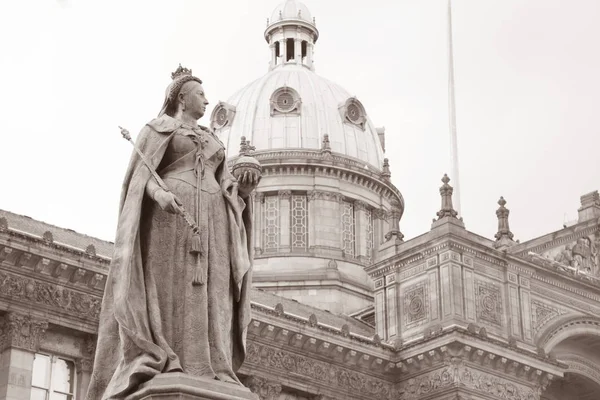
291, 107
291, 9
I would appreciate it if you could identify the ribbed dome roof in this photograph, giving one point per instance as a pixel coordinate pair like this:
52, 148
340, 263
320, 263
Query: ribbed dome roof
319, 112
291, 9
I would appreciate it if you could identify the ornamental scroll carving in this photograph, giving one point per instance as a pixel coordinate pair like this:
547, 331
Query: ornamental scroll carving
72, 302
460, 375
22, 331
324, 373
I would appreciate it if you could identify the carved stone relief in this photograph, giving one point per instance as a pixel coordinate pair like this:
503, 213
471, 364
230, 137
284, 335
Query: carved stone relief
458, 374
415, 305
322, 195
583, 255
265, 389
326, 374
16, 287
488, 302
542, 313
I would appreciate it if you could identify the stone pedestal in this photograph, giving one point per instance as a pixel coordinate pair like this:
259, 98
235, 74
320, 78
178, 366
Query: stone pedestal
180, 386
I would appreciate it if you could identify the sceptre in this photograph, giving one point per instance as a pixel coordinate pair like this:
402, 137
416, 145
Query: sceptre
188, 218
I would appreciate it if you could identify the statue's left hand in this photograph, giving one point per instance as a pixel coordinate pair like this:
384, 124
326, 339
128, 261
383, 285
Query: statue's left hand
248, 182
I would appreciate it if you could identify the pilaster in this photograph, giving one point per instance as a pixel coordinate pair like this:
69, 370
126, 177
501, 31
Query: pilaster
325, 207
284, 221
20, 338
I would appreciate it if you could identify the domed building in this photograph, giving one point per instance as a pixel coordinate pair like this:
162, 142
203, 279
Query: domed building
325, 200
343, 308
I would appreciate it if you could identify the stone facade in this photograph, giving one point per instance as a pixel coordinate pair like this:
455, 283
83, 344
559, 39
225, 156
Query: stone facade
454, 318
343, 307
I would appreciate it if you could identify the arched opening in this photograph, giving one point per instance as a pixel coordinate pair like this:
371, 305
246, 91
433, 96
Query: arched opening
304, 48
575, 343
277, 52
289, 45
572, 387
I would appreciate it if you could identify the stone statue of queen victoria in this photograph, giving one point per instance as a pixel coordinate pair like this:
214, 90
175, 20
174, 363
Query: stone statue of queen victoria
177, 298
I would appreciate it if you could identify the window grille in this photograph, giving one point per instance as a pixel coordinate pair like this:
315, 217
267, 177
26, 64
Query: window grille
370, 234
299, 222
52, 378
271, 223
348, 228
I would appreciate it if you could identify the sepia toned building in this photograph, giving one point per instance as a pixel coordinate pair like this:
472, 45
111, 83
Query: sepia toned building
343, 306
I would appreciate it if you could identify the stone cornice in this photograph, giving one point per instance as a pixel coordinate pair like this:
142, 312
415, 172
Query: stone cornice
429, 248
53, 267
459, 338
277, 318
11, 236
556, 238
314, 162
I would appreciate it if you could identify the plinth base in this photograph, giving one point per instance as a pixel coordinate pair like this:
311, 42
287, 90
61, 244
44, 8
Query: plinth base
180, 386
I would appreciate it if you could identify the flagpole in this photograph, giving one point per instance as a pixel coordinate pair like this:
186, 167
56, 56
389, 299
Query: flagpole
452, 116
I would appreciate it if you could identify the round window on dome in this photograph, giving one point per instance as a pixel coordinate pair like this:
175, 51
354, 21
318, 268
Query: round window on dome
354, 113
285, 100
222, 115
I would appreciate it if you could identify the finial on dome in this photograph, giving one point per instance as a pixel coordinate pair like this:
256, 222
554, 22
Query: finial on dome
180, 71
326, 145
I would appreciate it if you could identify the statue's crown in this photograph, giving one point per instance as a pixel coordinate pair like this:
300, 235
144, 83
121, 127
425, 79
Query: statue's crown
180, 71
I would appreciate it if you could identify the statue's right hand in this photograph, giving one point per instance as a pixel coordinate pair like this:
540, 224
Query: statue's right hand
167, 201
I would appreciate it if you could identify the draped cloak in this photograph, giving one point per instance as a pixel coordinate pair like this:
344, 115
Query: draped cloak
131, 347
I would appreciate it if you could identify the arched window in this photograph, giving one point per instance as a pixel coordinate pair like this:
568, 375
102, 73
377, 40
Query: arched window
304, 48
289, 45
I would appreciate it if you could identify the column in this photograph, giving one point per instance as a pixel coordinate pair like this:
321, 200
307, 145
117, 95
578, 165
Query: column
273, 55
283, 50
298, 50
309, 55
21, 337
284, 221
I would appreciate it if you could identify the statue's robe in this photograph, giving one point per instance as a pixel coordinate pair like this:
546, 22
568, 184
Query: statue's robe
132, 346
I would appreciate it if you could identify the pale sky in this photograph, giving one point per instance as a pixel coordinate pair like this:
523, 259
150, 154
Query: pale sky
527, 96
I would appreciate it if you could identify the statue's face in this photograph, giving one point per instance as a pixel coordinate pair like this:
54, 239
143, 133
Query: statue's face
194, 99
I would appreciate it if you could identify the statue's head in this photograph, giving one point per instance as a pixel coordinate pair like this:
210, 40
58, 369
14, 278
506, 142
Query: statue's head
185, 95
